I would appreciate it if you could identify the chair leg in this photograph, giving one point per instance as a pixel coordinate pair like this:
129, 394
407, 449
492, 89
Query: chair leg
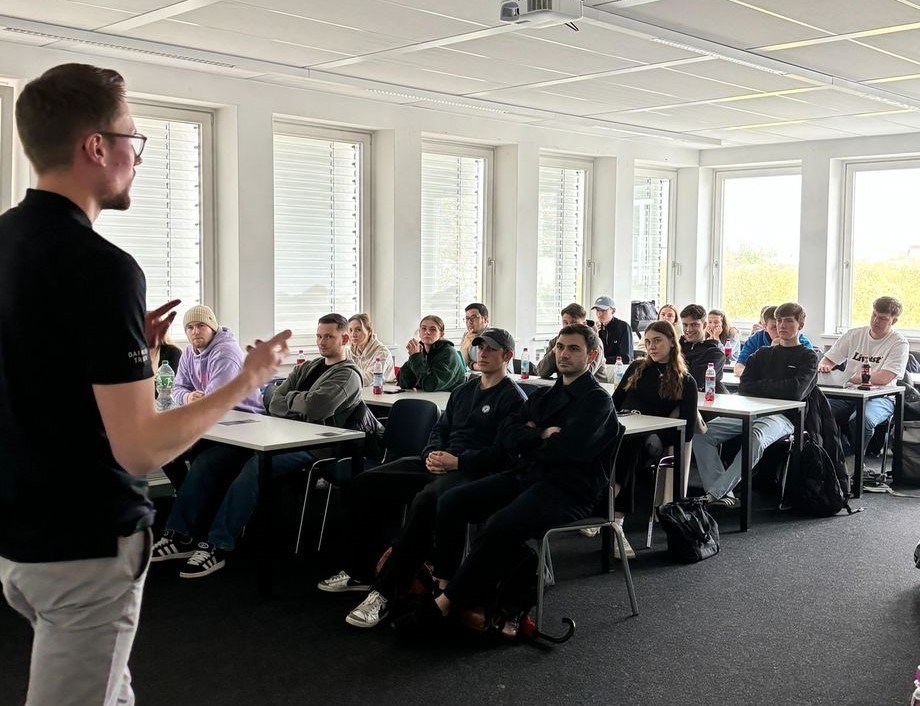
621, 539
651, 516
303, 511
322, 527
541, 579
782, 481
885, 447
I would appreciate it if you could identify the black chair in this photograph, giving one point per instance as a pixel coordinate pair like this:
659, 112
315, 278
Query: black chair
406, 434
268, 390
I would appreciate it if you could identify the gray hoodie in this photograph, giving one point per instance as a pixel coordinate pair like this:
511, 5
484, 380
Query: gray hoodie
332, 398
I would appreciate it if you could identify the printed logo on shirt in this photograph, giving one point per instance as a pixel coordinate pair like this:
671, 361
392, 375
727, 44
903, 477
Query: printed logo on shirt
140, 356
860, 358
486, 409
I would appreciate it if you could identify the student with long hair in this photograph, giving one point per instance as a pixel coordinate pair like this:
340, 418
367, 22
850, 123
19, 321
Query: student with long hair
659, 384
433, 363
364, 347
719, 329
669, 313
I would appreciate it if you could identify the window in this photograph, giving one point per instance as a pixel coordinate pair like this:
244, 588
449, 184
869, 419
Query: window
561, 239
167, 229
652, 235
881, 249
454, 188
756, 248
319, 226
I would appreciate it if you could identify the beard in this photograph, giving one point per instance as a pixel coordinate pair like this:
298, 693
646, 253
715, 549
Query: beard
120, 201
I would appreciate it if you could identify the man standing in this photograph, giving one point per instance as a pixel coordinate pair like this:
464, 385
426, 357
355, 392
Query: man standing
784, 371
560, 435
462, 447
477, 320
74, 514
699, 351
614, 333
880, 347
226, 478
573, 314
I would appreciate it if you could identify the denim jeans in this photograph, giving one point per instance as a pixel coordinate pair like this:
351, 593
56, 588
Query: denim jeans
878, 410
222, 490
718, 480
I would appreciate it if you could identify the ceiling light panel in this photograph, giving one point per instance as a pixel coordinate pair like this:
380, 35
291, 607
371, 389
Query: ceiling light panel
842, 16
846, 60
720, 21
218, 40
62, 12
380, 17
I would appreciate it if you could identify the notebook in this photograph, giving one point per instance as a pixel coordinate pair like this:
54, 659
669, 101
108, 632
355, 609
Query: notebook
835, 378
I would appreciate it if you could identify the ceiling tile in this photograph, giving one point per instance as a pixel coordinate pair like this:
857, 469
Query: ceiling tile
906, 44
413, 77
804, 131
750, 79
869, 124
61, 12
691, 118
680, 86
135, 7
452, 61
847, 60
842, 16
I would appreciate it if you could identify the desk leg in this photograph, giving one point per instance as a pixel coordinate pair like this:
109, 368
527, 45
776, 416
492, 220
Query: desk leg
896, 457
859, 448
747, 441
264, 576
677, 480
798, 439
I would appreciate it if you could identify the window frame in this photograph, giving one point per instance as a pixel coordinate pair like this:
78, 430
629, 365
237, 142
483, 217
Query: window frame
460, 149
7, 156
295, 128
718, 222
847, 243
642, 172
556, 161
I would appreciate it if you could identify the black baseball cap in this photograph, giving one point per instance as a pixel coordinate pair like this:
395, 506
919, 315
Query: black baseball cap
495, 338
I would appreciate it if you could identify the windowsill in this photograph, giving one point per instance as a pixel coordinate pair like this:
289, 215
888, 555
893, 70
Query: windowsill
913, 338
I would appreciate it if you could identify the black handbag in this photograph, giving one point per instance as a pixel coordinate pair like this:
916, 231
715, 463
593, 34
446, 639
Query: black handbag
693, 534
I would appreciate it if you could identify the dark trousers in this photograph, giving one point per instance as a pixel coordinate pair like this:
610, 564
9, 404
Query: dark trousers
372, 498
514, 509
635, 452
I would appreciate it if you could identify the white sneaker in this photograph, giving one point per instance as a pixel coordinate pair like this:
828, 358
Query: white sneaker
630, 552
590, 531
369, 613
341, 582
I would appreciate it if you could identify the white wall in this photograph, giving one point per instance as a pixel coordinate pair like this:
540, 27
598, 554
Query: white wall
244, 110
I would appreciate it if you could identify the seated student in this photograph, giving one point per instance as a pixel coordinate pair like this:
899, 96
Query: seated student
463, 447
614, 333
718, 328
364, 347
210, 360
476, 316
761, 338
760, 324
573, 314
668, 312
661, 385
699, 351
560, 435
222, 488
433, 363
168, 351
785, 371
884, 349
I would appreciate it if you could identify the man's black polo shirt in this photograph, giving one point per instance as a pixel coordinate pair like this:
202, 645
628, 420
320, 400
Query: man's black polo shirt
71, 316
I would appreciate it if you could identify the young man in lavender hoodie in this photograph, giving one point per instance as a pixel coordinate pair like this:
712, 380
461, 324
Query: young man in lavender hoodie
212, 358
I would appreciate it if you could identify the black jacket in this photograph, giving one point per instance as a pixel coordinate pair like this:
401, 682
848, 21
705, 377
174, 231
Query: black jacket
470, 422
699, 355
572, 458
618, 340
781, 373
644, 397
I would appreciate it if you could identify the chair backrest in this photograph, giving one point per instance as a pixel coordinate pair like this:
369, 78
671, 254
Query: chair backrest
611, 452
408, 427
268, 390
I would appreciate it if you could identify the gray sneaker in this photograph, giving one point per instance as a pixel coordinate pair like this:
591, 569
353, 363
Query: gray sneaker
630, 552
917, 556
370, 612
342, 582
172, 545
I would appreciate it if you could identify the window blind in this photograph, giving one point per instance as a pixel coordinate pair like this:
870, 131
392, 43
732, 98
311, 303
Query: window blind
317, 199
163, 227
560, 243
651, 203
453, 236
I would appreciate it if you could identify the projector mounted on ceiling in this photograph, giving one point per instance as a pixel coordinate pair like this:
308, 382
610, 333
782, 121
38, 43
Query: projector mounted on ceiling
541, 13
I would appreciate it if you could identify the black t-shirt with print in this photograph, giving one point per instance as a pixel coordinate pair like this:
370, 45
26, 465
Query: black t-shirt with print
71, 316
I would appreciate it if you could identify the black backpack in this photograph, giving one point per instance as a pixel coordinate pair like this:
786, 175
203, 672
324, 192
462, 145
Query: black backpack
818, 487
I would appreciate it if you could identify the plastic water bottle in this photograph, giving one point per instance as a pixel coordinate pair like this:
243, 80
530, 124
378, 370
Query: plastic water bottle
618, 370
915, 699
377, 384
525, 365
301, 358
728, 355
163, 380
710, 386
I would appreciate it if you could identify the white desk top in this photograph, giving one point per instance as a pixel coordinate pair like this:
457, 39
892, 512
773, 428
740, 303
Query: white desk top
262, 433
741, 406
732, 380
543, 382
644, 423
389, 399
879, 391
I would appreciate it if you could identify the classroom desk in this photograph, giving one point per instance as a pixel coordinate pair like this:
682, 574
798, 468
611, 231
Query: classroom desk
268, 437
390, 397
747, 409
854, 393
549, 382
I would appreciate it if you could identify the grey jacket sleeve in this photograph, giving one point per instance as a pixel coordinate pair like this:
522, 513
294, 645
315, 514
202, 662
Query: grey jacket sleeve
331, 391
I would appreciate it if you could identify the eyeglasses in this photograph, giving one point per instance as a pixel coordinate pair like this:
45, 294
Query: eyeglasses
474, 317
137, 140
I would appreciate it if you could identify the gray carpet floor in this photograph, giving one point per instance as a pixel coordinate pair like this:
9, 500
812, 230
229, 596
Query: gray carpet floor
797, 611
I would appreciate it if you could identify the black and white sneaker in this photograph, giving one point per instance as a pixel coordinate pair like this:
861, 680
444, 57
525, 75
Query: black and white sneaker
341, 582
172, 545
206, 560
917, 556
